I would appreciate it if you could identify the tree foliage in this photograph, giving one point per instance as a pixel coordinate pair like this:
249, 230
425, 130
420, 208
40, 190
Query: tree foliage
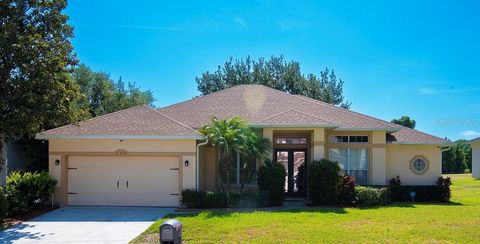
458, 158
102, 95
36, 57
405, 121
276, 73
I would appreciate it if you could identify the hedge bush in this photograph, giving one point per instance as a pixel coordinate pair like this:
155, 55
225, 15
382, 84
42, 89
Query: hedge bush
219, 199
271, 178
26, 191
249, 199
371, 196
204, 199
444, 184
323, 182
346, 191
422, 193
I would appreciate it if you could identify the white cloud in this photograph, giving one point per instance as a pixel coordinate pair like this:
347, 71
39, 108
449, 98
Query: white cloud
450, 90
471, 133
290, 25
239, 21
427, 91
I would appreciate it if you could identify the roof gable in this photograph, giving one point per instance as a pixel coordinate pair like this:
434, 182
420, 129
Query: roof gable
141, 121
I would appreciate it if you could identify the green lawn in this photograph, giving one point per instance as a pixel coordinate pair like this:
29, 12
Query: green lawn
456, 222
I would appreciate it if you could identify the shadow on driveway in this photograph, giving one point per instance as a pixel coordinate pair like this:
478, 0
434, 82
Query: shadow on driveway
83, 224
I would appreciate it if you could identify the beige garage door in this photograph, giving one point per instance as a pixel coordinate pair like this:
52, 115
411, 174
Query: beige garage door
123, 181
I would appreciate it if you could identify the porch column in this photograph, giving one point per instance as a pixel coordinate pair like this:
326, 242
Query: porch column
378, 166
268, 133
318, 144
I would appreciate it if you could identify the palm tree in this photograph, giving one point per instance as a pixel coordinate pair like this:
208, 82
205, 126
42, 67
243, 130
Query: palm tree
231, 137
258, 147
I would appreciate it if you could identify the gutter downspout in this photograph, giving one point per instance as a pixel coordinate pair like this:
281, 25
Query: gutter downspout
445, 149
197, 162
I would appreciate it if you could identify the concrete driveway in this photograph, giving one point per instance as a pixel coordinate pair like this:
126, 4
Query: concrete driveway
75, 224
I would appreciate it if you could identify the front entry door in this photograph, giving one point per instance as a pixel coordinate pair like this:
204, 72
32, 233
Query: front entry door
294, 161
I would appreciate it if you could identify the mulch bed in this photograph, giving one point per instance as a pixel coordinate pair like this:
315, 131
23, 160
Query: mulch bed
8, 222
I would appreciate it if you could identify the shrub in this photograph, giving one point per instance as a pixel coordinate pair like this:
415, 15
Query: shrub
219, 199
395, 181
271, 178
204, 199
346, 191
371, 196
26, 191
323, 181
422, 193
444, 183
250, 199
3, 206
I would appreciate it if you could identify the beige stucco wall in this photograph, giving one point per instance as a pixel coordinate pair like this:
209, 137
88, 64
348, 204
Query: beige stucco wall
476, 159
318, 141
63, 149
378, 166
398, 163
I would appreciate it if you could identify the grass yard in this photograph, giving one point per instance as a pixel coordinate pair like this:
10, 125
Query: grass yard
456, 222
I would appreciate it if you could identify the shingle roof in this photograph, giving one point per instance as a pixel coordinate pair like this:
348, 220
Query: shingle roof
141, 121
260, 105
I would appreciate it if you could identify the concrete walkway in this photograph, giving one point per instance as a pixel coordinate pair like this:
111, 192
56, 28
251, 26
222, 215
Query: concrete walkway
75, 224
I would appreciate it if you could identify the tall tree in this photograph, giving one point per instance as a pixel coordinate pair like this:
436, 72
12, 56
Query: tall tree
36, 57
101, 95
405, 121
458, 158
275, 73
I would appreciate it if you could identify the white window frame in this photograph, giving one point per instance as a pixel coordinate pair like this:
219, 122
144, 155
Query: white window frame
347, 163
330, 139
237, 171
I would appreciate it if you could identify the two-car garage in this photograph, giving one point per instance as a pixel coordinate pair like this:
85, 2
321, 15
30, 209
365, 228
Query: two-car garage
122, 172
123, 181
133, 157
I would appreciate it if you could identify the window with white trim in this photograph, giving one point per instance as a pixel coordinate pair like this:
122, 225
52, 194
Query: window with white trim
419, 164
353, 162
290, 140
240, 170
348, 139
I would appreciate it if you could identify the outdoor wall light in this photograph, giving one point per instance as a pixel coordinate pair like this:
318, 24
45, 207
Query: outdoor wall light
186, 163
57, 162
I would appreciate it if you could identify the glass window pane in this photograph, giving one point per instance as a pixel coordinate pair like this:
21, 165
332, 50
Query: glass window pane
358, 159
360, 176
290, 140
338, 139
248, 170
365, 139
282, 158
340, 156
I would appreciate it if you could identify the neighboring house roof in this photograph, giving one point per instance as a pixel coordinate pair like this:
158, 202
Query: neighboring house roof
475, 140
262, 106
139, 122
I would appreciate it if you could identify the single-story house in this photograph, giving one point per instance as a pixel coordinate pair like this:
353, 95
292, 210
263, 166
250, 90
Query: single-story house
145, 157
475, 143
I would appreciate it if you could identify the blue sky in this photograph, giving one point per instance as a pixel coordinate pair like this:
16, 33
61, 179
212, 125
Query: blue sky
416, 58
